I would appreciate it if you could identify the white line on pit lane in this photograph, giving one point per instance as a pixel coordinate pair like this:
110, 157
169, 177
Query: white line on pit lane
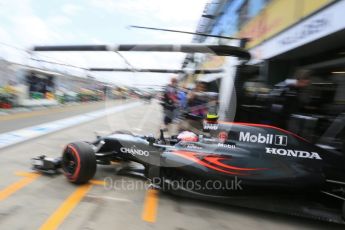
20, 135
109, 198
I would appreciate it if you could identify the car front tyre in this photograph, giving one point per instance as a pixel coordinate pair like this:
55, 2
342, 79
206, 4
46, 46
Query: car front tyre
79, 162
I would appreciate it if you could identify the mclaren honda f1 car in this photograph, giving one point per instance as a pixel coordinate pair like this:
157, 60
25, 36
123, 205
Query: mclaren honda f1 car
243, 164
250, 165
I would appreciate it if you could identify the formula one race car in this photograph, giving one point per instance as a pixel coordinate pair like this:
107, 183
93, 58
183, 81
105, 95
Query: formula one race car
251, 165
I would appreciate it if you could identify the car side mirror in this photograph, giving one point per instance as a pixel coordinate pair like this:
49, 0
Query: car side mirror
162, 138
151, 139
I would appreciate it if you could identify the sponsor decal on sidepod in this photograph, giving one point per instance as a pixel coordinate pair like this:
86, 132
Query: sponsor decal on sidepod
222, 145
223, 136
263, 139
294, 153
193, 147
134, 151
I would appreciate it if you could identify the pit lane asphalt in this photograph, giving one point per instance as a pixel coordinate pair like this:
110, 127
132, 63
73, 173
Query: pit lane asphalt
30, 201
25, 119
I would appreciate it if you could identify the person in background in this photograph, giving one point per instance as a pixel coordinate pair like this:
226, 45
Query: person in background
170, 102
293, 97
197, 107
182, 102
182, 96
197, 100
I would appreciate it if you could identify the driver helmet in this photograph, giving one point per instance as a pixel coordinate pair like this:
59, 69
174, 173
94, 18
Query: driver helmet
212, 117
187, 136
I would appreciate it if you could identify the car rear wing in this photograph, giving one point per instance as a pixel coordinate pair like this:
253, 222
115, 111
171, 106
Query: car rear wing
174, 71
220, 50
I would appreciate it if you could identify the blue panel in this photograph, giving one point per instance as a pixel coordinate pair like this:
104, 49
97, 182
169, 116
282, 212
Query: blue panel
226, 24
255, 6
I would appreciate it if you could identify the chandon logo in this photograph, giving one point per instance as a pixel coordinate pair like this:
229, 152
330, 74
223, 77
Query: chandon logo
135, 151
294, 153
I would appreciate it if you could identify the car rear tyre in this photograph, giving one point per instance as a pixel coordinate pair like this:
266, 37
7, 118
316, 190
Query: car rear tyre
79, 162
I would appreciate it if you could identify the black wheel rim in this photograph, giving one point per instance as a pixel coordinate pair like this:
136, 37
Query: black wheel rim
69, 162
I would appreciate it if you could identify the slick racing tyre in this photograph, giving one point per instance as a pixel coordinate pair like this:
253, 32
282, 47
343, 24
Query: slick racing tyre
79, 162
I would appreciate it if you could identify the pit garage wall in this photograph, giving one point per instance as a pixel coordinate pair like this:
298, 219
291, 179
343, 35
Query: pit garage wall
277, 16
324, 22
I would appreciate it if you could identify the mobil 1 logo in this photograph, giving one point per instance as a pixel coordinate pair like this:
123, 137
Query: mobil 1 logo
263, 138
280, 140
